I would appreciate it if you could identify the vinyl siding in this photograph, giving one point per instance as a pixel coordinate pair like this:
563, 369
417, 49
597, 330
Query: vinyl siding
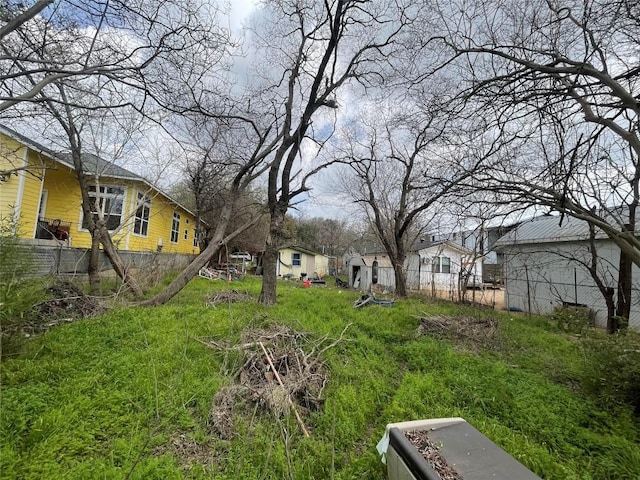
541, 277
160, 219
285, 267
64, 202
21, 192
11, 156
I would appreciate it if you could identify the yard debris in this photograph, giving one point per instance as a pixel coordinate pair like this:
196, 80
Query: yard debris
277, 351
365, 300
228, 296
341, 283
431, 453
68, 305
479, 331
229, 273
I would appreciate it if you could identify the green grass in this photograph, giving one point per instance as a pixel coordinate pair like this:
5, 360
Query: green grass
127, 394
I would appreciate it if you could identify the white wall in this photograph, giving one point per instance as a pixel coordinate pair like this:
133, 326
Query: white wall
543, 276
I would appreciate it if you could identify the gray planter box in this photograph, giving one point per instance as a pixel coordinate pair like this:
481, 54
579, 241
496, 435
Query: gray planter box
464, 448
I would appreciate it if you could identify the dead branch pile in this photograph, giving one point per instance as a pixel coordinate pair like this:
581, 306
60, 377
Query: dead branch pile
68, 304
227, 296
295, 383
431, 453
479, 332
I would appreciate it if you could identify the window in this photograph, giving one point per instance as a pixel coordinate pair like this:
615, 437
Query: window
296, 260
195, 238
141, 221
441, 265
186, 234
109, 201
175, 228
445, 264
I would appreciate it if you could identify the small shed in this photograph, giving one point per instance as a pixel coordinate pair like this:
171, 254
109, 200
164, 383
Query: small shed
294, 260
365, 271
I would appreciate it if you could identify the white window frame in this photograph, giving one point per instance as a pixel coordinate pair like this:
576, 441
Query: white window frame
293, 259
140, 220
102, 195
175, 228
438, 264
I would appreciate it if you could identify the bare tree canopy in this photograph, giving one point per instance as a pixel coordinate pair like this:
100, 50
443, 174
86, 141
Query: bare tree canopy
560, 81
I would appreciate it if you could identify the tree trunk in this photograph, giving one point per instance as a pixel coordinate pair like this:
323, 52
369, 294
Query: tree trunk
400, 276
116, 262
185, 276
611, 310
270, 259
624, 291
93, 270
201, 260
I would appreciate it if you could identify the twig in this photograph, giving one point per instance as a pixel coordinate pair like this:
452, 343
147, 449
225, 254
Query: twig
277, 375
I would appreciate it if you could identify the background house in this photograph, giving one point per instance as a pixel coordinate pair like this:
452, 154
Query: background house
443, 265
40, 192
545, 267
295, 260
429, 266
481, 241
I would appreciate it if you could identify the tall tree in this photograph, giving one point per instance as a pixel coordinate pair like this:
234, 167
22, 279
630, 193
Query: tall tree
404, 166
316, 49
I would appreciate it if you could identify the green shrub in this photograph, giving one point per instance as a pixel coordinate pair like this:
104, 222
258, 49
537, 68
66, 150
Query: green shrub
17, 295
573, 319
612, 369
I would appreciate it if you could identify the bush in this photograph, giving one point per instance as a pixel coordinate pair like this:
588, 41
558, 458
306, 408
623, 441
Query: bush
16, 295
612, 369
573, 319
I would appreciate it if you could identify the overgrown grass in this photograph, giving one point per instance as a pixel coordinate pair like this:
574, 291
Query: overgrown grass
128, 394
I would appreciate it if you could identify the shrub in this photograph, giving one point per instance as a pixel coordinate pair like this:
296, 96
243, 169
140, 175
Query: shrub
16, 295
573, 319
612, 369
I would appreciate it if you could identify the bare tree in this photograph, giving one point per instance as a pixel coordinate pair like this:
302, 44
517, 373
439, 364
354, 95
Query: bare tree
560, 72
79, 57
403, 172
318, 49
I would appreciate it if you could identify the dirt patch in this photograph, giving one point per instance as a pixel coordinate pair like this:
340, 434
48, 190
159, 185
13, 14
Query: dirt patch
493, 298
228, 296
475, 332
189, 451
288, 376
431, 453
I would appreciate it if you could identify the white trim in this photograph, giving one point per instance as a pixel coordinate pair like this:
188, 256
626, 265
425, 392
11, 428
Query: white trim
43, 198
129, 226
17, 209
122, 214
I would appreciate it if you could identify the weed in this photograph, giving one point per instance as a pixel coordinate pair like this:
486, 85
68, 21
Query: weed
128, 394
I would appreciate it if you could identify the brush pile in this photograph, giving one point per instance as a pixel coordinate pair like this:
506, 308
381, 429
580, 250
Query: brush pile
281, 371
472, 331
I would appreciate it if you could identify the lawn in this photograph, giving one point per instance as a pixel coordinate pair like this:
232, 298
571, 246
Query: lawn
130, 393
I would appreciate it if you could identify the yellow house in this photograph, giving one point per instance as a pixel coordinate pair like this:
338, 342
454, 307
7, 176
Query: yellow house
40, 193
294, 260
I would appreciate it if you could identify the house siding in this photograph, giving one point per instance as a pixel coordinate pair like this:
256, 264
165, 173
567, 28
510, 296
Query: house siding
539, 278
286, 267
11, 156
64, 202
